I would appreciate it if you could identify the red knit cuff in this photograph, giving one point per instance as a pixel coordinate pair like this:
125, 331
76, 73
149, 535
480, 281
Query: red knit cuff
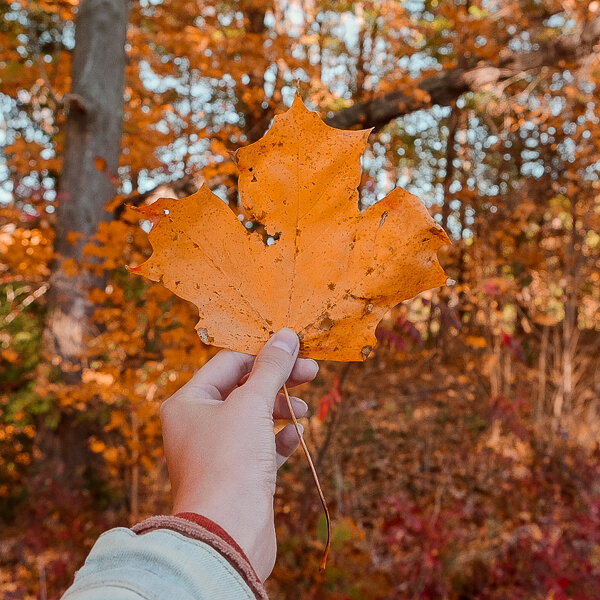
214, 528
202, 529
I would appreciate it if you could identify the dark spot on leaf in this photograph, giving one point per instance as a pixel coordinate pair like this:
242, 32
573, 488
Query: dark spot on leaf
370, 270
383, 218
175, 237
326, 324
331, 286
438, 232
178, 282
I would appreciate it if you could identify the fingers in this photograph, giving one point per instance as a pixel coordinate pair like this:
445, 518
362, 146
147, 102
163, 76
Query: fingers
220, 375
273, 365
304, 370
227, 369
282, 411
286, 441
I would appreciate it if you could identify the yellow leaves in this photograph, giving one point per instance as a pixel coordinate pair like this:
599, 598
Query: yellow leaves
315, 264
24, 253
104, 379
97, 446
172, 336
117, 420
70, 267
23, 155
108, 243
475, 341
421, 95
99, 163
546, 319
148, 463
74, 236
9, 355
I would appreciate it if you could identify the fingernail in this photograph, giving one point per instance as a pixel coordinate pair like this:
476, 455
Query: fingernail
301, 428
316, 365
286, 339
303, 405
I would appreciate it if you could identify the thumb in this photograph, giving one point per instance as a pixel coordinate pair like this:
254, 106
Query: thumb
274, 364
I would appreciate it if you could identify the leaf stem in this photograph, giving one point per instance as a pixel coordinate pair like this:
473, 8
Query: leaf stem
323, 562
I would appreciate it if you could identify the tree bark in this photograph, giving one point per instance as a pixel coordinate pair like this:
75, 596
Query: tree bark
450, 156
92, 148
91, 158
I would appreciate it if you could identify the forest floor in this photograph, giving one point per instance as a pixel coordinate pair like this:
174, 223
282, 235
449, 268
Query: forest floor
438, 491
435, 489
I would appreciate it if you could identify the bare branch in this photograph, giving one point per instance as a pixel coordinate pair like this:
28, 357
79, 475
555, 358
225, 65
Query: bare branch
447, 86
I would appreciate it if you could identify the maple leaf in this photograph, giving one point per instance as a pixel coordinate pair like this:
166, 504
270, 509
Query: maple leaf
331, 273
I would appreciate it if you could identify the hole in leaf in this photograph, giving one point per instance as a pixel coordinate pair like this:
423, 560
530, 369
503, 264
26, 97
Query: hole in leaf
256, 226
203, 333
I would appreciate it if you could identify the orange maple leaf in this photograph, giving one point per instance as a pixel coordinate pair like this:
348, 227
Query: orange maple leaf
328, 271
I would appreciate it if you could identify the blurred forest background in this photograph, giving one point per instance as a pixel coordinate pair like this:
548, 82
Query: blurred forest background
462, 460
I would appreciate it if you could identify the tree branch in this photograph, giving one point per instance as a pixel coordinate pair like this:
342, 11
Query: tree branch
446, 86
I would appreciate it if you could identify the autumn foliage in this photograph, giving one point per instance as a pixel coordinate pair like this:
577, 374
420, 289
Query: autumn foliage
461, 460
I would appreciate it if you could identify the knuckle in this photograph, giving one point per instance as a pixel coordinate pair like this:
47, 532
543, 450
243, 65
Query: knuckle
272, 361
167, 407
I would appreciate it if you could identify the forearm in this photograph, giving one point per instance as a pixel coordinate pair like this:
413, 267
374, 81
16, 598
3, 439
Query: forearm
167, 557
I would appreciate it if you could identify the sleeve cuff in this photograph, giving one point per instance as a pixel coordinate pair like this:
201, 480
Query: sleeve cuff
200, 528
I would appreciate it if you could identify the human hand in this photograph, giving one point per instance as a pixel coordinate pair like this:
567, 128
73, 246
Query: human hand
220, 445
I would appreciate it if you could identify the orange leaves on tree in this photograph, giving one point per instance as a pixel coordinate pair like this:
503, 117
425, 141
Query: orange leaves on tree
316, 264
101, 165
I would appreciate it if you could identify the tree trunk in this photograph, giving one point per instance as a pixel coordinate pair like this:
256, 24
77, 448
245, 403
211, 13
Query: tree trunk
450, 156
91, 158
542, 369
92, 147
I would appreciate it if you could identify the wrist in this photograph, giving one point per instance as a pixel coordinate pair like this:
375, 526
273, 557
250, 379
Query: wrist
206, 531
250, 525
